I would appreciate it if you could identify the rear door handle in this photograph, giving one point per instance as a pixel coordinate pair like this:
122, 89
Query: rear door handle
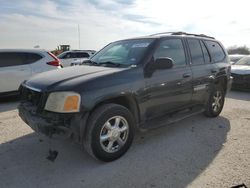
186, 75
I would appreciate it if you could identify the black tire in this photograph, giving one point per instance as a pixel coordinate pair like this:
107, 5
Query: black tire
210, 110
96, 125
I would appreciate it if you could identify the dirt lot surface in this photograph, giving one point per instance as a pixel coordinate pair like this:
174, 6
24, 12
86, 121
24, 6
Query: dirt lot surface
196, 152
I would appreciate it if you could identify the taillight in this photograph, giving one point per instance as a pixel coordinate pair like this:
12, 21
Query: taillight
56, 61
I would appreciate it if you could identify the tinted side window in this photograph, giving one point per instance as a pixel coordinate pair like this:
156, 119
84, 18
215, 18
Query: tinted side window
11, 59
32, 57
205, 53
82, 55
73, 55
67, 55
171, 48
216, 51
196, 51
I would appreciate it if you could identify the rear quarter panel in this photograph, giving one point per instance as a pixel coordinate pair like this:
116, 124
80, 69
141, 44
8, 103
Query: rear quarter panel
41, 65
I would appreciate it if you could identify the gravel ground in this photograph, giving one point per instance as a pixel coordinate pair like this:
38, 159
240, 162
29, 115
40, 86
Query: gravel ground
196, 152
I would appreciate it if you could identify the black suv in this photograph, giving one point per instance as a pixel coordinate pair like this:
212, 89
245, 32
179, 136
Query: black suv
129, 85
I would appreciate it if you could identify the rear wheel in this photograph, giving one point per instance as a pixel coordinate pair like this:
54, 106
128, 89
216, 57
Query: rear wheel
215, 102
109, 132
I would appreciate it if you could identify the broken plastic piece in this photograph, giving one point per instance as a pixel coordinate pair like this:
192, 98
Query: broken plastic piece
52, 155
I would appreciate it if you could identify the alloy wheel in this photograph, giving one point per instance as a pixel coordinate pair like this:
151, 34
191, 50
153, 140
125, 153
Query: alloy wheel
217, 101
114, 134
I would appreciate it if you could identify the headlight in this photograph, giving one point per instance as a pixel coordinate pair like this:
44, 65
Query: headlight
63, 102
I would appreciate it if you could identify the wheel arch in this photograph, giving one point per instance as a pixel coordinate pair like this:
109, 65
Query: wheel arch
127, 101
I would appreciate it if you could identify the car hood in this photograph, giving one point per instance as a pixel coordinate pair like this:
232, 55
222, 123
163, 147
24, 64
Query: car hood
67, 77
240, 69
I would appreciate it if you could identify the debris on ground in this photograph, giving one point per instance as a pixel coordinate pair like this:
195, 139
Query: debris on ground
52, 155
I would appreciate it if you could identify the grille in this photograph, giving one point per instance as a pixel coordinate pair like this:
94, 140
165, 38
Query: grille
29, 95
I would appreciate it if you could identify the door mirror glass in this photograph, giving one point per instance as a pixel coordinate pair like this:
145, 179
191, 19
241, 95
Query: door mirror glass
163, 63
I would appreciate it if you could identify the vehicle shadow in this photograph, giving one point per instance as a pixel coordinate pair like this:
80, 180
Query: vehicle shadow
8, 103
239, 95
170, 156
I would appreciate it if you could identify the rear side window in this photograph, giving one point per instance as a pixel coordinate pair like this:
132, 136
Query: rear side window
32, 57
82, 55
11, 59
196, 51
171, 48
216, 51
73, 55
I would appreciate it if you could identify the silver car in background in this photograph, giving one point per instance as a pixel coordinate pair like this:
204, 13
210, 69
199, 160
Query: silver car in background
75, 57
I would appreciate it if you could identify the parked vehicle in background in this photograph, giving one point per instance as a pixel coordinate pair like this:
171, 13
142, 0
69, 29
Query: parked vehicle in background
60, 49
138, 83
235, 57
241, 74
19, 65
75, 57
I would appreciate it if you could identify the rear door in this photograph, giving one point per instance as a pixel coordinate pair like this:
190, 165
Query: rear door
13, 70
201, 65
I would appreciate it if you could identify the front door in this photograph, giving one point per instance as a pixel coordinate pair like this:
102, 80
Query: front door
169, 89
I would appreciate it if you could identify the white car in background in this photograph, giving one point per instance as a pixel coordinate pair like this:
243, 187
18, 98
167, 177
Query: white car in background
75, 57
19, 65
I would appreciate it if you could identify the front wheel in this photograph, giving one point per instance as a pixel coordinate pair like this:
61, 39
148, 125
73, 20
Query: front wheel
215, 102
109, 132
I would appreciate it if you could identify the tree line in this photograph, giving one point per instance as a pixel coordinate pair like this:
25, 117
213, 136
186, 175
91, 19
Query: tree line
238, 50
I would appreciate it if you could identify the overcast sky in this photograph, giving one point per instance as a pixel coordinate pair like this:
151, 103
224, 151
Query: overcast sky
48, 23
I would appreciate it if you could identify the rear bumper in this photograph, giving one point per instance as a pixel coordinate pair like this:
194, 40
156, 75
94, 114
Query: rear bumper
52, 124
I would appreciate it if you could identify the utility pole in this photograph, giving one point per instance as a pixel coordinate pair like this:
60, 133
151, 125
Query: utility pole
79, 42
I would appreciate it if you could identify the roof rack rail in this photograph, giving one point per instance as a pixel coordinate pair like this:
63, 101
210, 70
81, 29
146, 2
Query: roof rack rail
161, 33
196, 35
183, 33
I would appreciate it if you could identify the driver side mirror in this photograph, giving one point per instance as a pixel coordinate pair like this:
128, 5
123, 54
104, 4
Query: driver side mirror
162, 63
158, 64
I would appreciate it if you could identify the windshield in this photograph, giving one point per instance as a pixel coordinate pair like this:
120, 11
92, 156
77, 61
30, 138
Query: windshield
127, 52
243, 61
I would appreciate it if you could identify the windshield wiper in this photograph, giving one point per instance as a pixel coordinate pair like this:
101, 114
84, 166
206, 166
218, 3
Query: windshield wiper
110, 63
90, 62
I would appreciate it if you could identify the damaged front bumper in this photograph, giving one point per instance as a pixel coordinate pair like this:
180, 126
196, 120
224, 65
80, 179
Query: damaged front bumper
53, 124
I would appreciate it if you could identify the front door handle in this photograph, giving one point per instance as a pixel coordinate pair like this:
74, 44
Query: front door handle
186, 75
